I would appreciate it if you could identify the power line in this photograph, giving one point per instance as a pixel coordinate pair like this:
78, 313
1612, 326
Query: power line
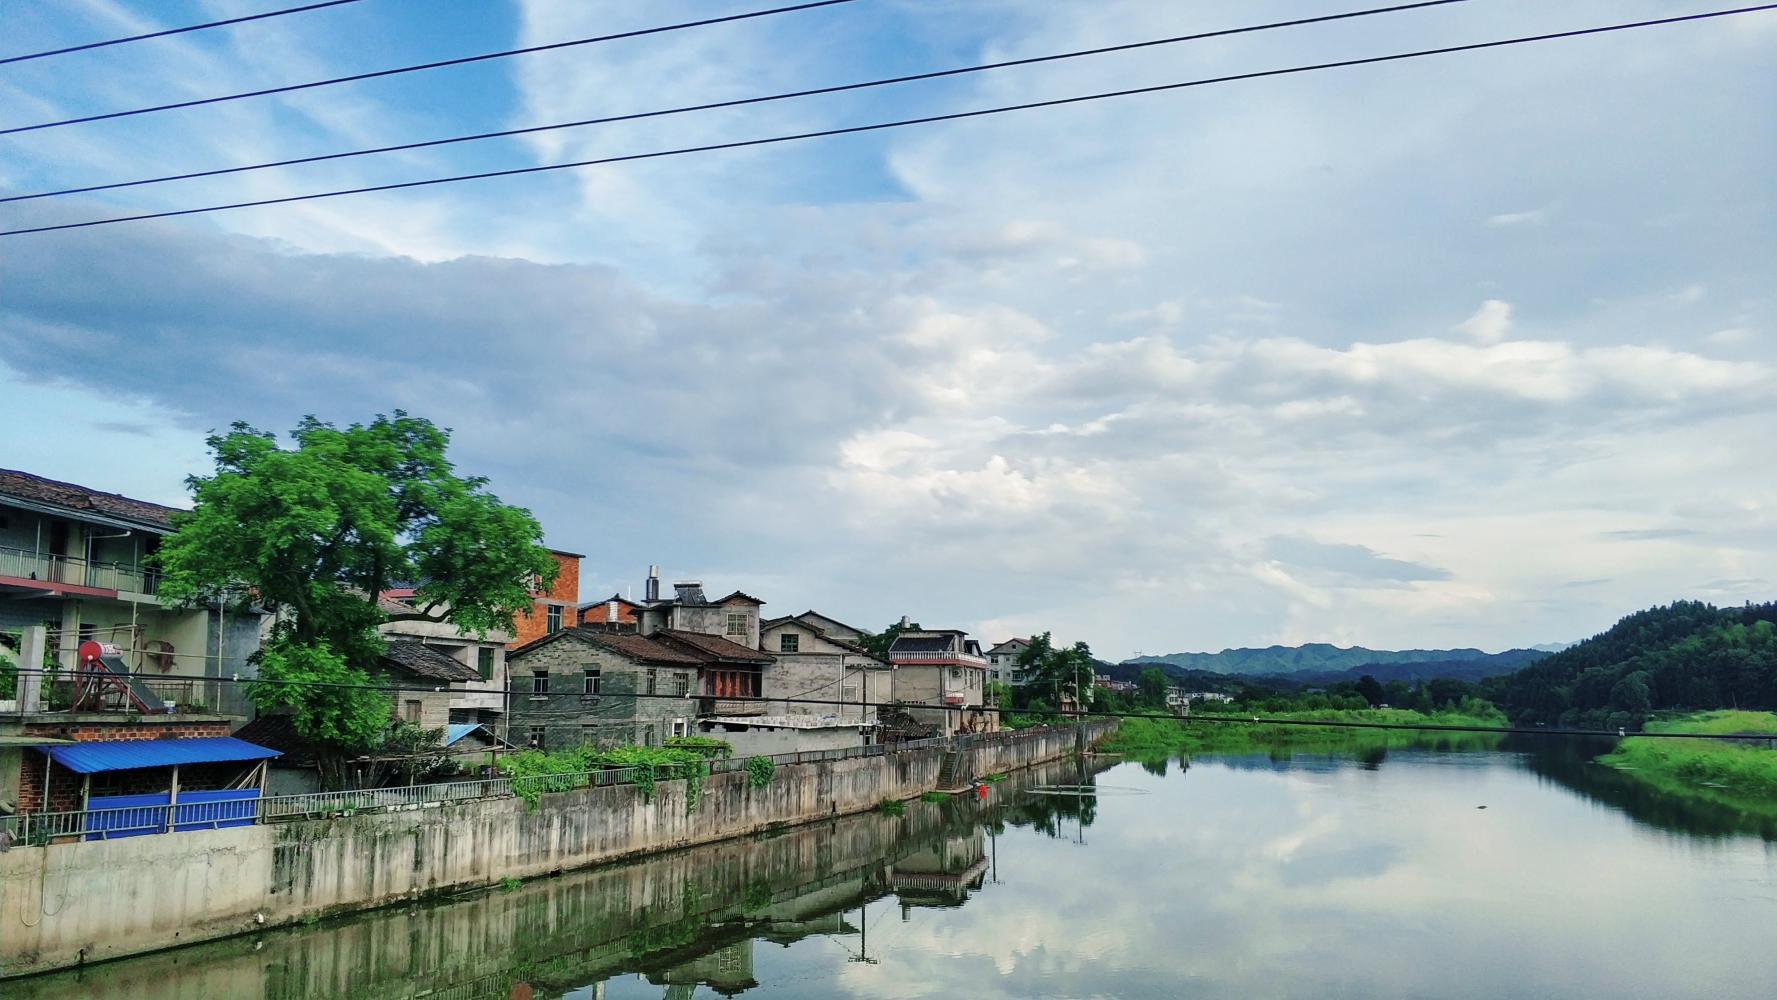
735, 103
174, 31
419, 67
904, 122
1256, 720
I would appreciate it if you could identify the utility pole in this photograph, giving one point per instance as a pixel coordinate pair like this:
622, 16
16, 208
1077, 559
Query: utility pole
863, 938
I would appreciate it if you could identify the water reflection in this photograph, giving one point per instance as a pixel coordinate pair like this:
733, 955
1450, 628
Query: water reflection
1372, 873
678, 920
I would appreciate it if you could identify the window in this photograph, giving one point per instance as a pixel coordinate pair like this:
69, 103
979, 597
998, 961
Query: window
589, 681
588, 735
651, 680
536, 740
412, 712
647, 736
554, 618
737, 625
679, 728
681, 684
484, 662
539, 682
789, 642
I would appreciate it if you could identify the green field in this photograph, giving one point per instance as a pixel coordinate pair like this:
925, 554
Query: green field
1227, 734
1742, 775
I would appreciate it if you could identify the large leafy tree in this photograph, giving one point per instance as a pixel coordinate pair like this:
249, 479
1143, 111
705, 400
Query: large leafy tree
316, 532
1056, 671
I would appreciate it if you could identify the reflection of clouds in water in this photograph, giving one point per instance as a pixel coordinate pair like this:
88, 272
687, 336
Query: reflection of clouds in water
1342, 881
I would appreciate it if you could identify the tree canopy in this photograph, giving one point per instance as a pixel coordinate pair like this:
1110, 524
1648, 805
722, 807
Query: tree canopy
317, 532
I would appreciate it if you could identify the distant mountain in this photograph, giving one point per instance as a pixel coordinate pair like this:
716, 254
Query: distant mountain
1553, 647
1337, 662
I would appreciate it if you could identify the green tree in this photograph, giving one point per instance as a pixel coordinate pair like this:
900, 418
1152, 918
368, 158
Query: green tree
316, 532
1372, 690
878, 643
1151, 684
1056, 673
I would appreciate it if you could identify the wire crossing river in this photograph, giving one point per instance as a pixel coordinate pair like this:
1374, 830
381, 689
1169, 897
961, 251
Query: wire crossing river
1513, 872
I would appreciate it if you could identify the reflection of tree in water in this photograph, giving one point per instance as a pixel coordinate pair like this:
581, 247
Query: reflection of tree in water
1049, 814
1572, 764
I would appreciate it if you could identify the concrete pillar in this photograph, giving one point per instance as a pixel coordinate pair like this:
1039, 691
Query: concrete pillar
30, 681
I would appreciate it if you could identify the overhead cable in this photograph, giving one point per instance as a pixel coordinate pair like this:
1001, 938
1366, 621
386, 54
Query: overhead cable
420, 67
174, 31
733, 103
905, 122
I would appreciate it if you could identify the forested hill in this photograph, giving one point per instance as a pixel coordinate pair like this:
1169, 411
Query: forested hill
1325, 660
1687, 655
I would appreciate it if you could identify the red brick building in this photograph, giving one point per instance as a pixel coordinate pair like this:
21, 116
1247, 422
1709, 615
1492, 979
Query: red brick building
613, 610
553, 609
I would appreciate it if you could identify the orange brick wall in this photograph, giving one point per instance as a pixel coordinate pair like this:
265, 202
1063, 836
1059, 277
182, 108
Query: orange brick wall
565, 592
597, 615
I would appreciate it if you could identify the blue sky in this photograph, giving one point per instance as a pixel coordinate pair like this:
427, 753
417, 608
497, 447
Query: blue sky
1470, 351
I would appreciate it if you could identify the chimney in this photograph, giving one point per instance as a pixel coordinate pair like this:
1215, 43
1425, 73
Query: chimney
906, 622
653, 588
611, 610
690, 592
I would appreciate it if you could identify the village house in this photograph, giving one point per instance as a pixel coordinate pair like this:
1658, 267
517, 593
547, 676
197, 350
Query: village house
77, 561
1002, 662
942, 667
613, 610
553, 608
478, 692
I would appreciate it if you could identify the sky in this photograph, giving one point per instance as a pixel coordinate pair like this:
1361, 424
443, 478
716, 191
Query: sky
1474, 350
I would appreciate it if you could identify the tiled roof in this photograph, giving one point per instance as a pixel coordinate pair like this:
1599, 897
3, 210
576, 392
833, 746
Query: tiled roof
1010, 644
644, 649
420, 660
619, 598
392, 605
739, 596
72, 497
715, 647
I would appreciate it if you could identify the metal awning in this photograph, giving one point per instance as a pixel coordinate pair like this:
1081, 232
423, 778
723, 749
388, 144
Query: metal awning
125, 755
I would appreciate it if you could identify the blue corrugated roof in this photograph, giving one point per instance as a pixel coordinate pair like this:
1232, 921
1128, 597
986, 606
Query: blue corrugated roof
457, 730
123, 755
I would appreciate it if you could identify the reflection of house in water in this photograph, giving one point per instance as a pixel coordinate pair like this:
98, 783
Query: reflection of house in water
727, 970
943, 874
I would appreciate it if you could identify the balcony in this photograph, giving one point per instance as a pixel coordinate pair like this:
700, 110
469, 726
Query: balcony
941, 657
23, 569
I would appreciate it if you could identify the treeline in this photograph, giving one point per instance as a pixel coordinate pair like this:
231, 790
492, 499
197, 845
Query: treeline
1685, 656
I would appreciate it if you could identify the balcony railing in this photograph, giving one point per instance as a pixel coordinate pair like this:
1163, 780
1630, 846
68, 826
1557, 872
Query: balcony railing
52, 568
969, 659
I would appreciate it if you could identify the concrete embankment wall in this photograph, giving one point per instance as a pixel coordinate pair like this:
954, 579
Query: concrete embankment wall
68, 904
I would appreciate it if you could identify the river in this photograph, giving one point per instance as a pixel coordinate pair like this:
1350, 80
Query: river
1524, 871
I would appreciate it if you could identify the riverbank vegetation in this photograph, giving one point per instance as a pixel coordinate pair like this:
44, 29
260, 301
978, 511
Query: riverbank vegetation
1741, 774
561, 770
1209, 733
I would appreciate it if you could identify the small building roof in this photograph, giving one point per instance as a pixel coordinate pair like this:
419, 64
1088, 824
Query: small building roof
127, 755
278, 732
739, 597
829, 619
421, 660
79, 500
714, 647
909, 643
800, 622
619, 598
1010, 644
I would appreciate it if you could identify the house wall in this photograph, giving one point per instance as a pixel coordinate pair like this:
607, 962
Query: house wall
564, 593
570, 718
713, 620
139, 894
750, 741
481, 701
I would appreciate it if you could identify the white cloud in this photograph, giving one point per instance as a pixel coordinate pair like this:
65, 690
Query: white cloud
1490, 324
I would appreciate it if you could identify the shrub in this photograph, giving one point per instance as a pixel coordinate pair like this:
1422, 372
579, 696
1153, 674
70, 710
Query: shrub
759, 771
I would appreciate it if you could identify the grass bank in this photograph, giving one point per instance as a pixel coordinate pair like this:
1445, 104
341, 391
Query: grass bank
1737, 774
1230, 734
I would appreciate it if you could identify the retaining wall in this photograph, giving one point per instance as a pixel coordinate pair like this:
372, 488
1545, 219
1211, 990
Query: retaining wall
69, 904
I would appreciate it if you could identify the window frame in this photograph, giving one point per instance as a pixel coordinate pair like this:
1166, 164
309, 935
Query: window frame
589, 681
539, 683
485, 662
552, 618
728, 629
789, 642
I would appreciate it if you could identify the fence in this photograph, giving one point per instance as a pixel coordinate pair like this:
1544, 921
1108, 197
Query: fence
53, 568
98, 824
